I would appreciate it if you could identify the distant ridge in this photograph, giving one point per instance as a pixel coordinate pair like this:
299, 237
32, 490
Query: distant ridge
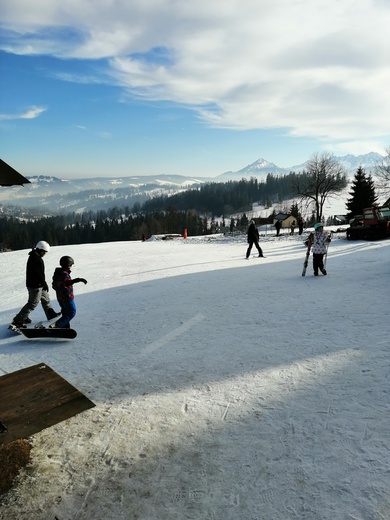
79, 195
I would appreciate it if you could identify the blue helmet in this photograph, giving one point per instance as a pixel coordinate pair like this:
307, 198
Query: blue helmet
318, 225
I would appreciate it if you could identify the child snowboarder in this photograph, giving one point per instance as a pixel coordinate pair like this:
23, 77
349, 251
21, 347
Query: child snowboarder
63, 286
318, 242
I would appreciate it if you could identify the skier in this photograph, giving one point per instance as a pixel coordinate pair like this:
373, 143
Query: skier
318, 242
301, 223
38, 290
278, 226
63, 286
253, 238
292, 227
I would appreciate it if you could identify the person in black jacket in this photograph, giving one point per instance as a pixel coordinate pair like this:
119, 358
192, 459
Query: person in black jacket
38, 290
278, 226
253, 238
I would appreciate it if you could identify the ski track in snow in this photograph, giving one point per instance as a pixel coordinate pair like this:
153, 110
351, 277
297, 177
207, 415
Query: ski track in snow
226, 389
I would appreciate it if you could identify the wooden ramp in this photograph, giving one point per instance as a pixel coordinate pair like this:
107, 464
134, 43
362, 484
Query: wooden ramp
35, 398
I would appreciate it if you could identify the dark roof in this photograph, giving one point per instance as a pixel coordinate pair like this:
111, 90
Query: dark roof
281, 216
10, 177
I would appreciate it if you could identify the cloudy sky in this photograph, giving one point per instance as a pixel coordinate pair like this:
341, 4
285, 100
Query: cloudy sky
191, 87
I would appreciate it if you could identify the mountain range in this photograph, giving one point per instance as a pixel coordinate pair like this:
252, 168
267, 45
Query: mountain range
262, 167
63, 195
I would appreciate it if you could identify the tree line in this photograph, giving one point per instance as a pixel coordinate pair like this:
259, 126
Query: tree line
69, 229
194, 209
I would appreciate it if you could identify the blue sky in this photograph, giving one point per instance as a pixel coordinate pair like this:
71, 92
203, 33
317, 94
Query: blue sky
189, 87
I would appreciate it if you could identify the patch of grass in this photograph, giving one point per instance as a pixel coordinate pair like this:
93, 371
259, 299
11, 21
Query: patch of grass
13, 456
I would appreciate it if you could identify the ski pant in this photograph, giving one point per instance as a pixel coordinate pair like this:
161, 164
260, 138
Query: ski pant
255, 242
68, 310
318, 262
36, 296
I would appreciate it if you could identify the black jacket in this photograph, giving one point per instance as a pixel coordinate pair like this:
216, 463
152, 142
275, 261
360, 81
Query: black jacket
253, 233
35, 270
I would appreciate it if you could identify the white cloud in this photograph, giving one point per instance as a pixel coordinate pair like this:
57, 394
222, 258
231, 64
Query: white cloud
31, 113
317, 69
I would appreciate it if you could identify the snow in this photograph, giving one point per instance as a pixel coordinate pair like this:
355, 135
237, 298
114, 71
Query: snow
225, 388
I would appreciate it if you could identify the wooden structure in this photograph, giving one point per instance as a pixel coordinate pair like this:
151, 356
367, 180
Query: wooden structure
10, 177
35, 398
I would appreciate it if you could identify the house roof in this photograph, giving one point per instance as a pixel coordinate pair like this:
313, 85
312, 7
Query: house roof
10, 177
281, 216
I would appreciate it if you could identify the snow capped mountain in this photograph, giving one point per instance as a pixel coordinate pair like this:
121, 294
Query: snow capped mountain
351, 163
367, 161
259, 168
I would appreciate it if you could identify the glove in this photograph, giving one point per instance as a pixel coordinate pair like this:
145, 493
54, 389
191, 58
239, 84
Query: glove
78, 280
45, 287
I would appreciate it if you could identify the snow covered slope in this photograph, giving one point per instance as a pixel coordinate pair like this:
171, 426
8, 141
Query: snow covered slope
226, 389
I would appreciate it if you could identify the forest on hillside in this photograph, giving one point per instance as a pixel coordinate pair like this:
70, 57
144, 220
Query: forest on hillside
195, 210
229, 197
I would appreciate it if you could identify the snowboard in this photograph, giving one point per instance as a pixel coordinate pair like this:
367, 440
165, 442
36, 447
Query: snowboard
14, 328
39, 324
42, 332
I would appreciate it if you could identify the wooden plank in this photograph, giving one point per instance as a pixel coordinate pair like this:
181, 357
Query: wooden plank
35, 398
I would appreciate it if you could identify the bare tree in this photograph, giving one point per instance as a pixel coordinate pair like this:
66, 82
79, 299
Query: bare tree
383, 168
324, 177
382, 171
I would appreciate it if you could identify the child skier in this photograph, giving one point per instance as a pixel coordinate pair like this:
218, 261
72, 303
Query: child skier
318, 242
63, 286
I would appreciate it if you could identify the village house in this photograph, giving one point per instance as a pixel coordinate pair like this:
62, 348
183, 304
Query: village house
285, 219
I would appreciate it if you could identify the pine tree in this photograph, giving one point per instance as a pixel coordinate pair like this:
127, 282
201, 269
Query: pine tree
362, 193
294, 210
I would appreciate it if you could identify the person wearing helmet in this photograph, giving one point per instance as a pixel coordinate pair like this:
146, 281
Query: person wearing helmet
38, 290
63, 286
253, 238
318, 243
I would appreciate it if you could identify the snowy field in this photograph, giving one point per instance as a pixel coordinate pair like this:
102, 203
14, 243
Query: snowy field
225, 388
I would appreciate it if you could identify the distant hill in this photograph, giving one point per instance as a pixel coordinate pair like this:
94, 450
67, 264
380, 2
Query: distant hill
62, 195
91, 194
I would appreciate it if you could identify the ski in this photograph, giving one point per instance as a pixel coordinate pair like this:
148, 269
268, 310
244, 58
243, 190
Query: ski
306, 262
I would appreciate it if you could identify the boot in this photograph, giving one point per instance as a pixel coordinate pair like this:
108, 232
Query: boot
51, 314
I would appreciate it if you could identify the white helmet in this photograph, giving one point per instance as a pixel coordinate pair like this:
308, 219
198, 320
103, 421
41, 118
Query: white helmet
43, 245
